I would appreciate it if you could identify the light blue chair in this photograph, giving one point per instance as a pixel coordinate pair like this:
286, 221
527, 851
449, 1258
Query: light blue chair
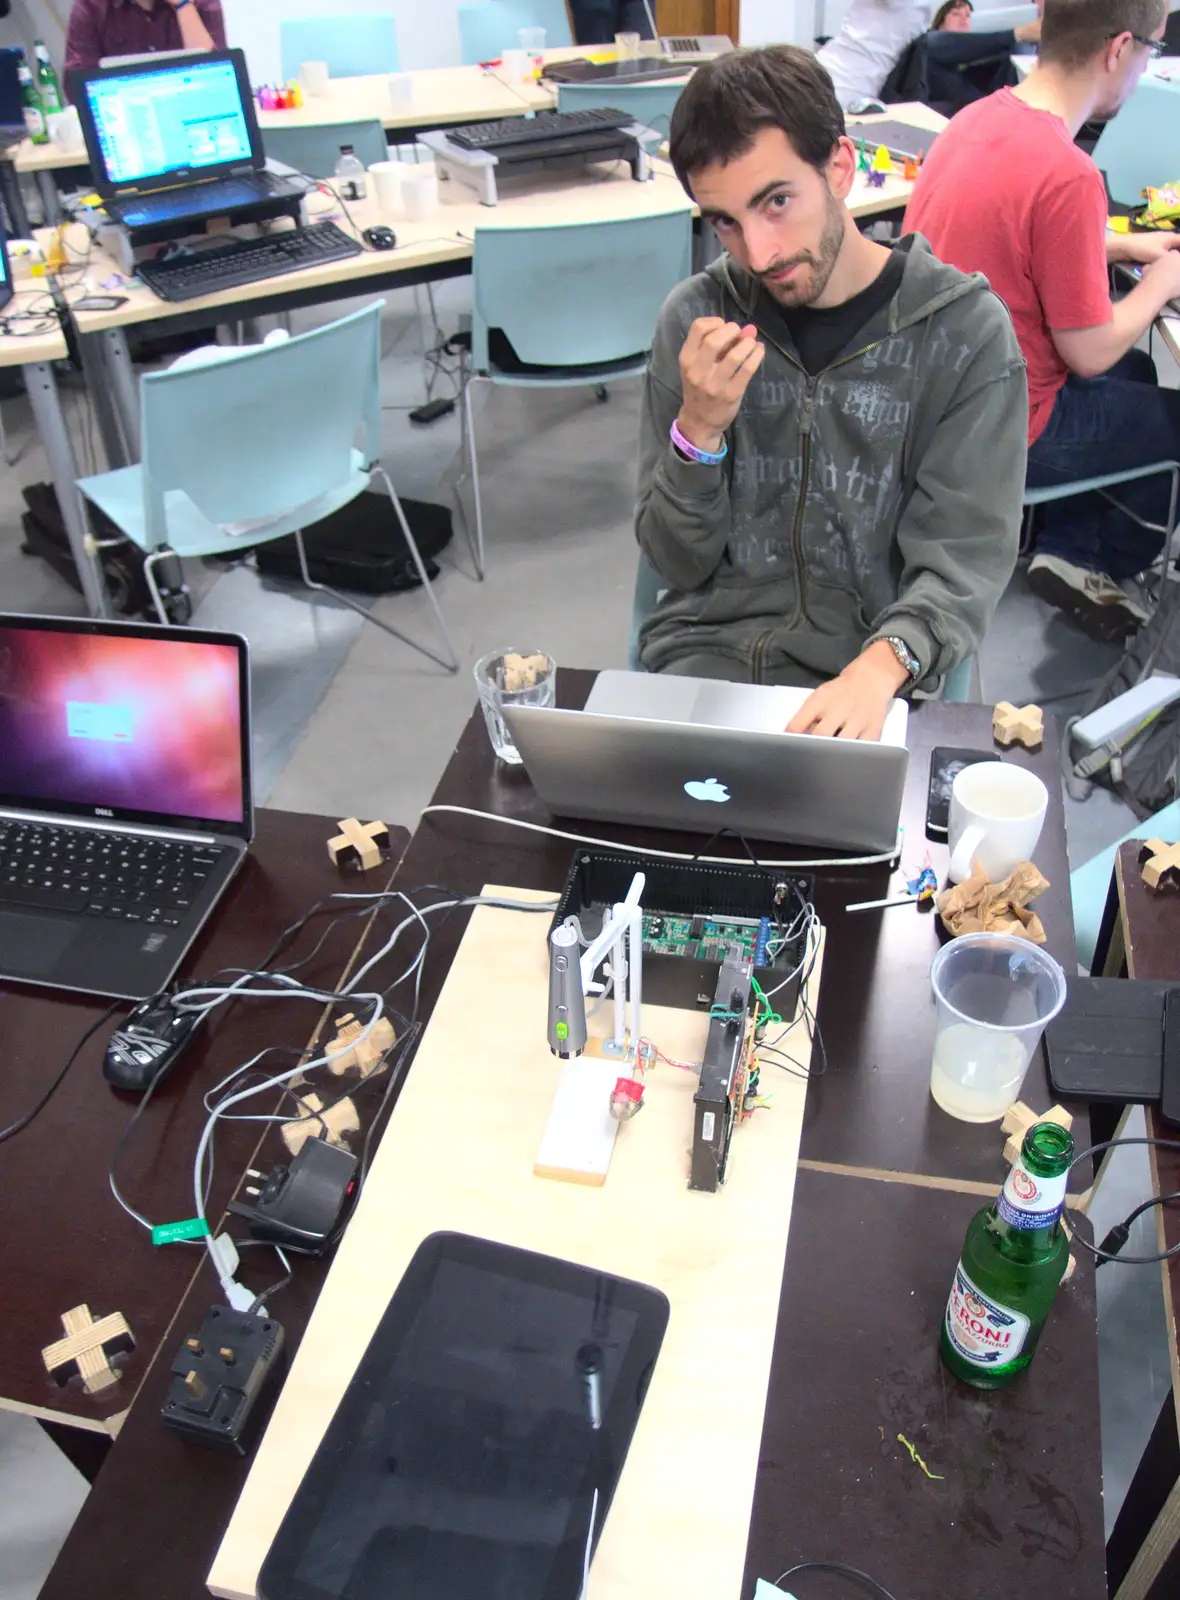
1089, 884
1103, 485
315, 151
957, 685
1141, 145
353, 44
651, 104
487, 29
554, 290
264, 434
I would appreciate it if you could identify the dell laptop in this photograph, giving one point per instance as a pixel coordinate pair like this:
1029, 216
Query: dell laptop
700, 755
12, 111
125, 803
175, 140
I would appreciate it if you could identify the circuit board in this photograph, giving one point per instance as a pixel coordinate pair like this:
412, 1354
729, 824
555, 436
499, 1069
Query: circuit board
703, 938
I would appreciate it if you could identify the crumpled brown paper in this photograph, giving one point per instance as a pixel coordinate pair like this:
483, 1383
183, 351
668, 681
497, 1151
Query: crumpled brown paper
978, 906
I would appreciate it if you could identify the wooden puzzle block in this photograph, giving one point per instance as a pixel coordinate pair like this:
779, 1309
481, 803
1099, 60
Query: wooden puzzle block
522, 672
87, 1348
345, 1052
1018, 725
358, 846
333, 1124
1019, 1118
1160, 866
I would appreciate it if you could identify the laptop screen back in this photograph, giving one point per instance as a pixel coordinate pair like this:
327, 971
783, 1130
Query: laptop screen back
126, 723
12, 116
150, 125
6, 290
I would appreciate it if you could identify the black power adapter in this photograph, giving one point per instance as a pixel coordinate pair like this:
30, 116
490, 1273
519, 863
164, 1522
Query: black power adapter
300, 1204
226, 1377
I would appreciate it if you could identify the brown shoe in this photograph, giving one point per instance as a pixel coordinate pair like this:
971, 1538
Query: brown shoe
1095, 602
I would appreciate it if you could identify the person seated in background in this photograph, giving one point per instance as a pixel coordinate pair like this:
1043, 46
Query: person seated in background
832, 432
1006, 192
951, 67
872, 36
99, 28
597, 21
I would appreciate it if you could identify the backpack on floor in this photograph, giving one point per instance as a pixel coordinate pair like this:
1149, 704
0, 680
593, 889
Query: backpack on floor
361, 547
1143, 767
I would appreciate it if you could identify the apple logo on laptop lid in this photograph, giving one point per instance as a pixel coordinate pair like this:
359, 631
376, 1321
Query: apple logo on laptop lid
706, 789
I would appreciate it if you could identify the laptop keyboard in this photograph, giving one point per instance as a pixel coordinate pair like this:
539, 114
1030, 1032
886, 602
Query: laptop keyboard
116, 875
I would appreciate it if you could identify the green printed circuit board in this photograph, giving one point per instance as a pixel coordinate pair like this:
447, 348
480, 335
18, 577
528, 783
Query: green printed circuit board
708, 938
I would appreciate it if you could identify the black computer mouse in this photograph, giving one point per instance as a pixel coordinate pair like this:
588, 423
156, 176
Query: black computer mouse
149, 1044
380, 238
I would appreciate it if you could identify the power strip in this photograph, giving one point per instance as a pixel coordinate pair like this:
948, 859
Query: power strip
1123, 715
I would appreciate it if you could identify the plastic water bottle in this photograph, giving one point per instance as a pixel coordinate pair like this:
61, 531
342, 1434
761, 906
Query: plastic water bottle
350, 175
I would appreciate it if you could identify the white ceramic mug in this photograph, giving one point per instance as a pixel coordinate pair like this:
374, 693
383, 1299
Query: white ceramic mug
997, 812
401, 88
419, 185
387, 184
315, 77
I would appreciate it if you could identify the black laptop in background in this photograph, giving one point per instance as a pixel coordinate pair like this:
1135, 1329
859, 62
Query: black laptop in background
125, 797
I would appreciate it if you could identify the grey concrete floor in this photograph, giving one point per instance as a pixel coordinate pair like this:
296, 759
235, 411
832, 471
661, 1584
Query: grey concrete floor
348, 720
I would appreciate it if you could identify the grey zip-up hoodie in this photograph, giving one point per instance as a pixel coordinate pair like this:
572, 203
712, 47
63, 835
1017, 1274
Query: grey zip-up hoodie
880, 497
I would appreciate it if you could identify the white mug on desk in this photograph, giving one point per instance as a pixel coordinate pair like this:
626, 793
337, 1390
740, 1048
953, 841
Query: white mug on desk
997, 812
315, 77
387, 184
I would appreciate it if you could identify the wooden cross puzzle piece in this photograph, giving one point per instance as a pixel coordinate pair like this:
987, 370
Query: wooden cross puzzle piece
358, 846
332, 1125
1018, 725
86, 1350
521, 672
345, 1052
1160, 866
1019, 1118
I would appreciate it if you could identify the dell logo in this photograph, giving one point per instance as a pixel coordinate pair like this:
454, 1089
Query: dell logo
706, 789
103, 811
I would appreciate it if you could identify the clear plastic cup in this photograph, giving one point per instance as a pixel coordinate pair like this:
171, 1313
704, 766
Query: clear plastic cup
494, 675
627, 46
994, 996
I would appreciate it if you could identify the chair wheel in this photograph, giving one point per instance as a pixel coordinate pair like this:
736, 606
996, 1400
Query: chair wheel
601, 393
179, 606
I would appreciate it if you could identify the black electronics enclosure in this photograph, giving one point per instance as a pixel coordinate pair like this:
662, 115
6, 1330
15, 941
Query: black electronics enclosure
599, 878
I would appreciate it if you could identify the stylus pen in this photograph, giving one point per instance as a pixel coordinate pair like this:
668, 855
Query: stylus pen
879, 905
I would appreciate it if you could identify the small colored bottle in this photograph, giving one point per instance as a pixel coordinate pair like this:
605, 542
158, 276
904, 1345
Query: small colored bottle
48, 86
1013, 1258
350, 174
34, 112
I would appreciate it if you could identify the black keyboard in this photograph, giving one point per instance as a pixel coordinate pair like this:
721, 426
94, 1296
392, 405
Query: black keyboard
534, 130
228, 266
117, 875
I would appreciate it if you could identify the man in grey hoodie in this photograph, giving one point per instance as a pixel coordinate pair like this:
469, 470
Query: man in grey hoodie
833, 434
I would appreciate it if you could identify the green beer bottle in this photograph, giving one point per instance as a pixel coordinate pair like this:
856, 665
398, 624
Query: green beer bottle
31, 106
1013, 1257
47, 85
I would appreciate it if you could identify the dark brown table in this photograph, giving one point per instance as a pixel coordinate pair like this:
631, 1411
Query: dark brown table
886, 1188
1140, 938
65, 1239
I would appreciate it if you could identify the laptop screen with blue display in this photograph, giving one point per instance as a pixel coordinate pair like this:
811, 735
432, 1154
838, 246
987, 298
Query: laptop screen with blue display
182, 118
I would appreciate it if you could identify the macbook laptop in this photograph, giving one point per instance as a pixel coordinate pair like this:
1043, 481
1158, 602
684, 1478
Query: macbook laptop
125, 804
700, 755
175, 140
690, 48
902, 142
636, 69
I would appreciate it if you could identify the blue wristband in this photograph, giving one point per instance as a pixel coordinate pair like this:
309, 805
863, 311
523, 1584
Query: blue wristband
703, 458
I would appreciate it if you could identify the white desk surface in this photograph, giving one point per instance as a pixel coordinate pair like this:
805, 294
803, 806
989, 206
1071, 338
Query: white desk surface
1169, 327
19, 351
443, 95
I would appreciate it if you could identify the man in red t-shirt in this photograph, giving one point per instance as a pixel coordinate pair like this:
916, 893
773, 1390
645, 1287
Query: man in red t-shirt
1006, 192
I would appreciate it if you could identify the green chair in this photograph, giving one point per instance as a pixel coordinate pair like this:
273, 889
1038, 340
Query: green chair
353, 44
651, 104
256, 446
316, 150
553, 291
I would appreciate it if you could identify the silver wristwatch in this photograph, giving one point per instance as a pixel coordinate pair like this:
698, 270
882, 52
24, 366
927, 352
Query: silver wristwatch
906, 658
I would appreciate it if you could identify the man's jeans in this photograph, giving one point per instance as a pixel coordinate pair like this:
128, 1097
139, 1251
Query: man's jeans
1099, 425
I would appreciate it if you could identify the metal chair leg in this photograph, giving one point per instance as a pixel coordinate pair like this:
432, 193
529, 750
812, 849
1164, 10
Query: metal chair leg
473, 468
451, 663
149, 576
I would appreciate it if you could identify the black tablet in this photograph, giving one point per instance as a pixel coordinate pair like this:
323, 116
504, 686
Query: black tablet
476, 1450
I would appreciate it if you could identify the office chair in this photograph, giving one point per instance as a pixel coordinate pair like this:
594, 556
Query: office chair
651, 104
262, 441
1141, 145
553, 291
353, 45
316, 150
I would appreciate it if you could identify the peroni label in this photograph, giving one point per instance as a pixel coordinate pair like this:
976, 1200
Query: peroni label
984, 1332
1027, 1201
